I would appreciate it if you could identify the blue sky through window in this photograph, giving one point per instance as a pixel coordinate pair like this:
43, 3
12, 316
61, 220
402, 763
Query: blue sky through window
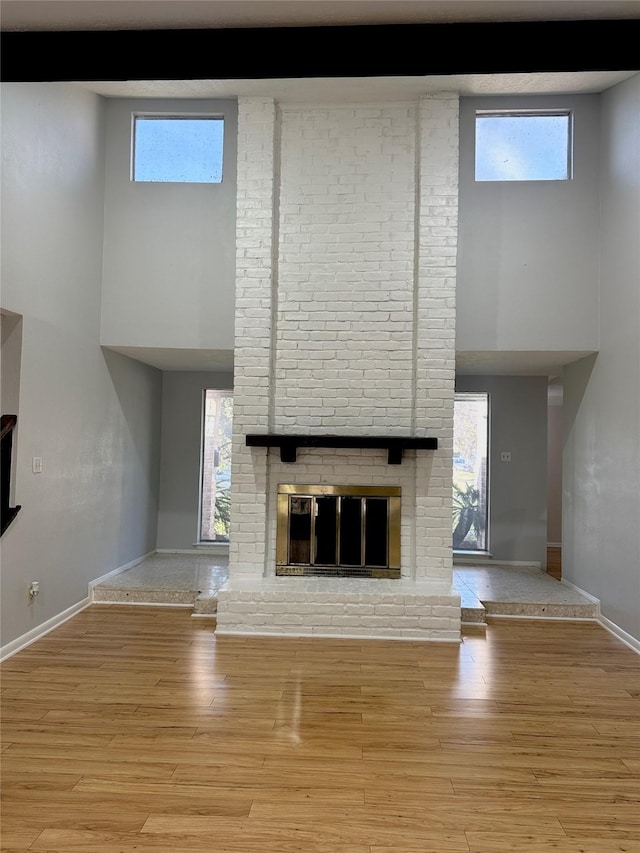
522, 147
178, 149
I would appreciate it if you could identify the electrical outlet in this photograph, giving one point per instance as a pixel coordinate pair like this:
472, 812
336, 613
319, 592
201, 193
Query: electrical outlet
36, 464
505, 456
34, 588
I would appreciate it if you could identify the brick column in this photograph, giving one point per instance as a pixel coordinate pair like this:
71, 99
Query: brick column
435, 329
253, 332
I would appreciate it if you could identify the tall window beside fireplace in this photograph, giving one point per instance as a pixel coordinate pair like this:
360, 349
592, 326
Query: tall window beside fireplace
470, 472
215, 466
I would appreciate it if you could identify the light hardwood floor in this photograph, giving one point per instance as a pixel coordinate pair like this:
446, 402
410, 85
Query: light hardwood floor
137, 729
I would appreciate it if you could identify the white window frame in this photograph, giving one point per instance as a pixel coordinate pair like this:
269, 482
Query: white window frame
460, 396
174, 116
220, 392
524, 113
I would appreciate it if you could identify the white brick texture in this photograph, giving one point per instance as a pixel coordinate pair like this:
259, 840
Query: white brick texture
345, 323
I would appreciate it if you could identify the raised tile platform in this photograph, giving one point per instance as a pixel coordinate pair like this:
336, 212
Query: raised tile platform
491, 589
189, 580
486, 590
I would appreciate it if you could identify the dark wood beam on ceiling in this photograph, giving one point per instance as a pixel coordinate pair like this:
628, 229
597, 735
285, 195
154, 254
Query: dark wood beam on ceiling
341, 51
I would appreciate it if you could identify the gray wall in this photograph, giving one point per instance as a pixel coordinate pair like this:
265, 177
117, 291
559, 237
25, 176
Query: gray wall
94, 419
94, 506
182, 398
601, 472
517, 489
527, 258
169, 249
528, 251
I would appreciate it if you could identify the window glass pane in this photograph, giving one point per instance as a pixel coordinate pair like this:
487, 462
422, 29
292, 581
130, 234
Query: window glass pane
300, 529
376, 545
350, 531
470, 442
178, 149
325, 531
215, 490
522, 147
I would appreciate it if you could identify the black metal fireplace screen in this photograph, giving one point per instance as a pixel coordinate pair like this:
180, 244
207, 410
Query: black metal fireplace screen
338, 531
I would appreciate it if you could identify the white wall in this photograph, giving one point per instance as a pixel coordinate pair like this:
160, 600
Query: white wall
182, 400
92, 417
517, 489
528, 251
601, 472
169, 249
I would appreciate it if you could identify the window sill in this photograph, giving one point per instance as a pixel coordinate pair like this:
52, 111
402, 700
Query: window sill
212, 546
472, 556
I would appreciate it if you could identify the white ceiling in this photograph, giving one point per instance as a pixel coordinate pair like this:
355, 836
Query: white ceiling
165, 358
174, 14
519, 363
364, 89
508, 363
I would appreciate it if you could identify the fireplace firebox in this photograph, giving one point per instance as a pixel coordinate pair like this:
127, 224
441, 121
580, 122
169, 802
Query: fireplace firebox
338, 531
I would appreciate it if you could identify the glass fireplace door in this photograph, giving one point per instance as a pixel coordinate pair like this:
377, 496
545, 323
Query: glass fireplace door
344, 533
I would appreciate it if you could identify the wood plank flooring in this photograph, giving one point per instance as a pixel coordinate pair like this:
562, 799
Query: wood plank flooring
137, 729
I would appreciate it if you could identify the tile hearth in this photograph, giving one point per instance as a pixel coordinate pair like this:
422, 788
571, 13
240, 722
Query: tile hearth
188, 580
485, 590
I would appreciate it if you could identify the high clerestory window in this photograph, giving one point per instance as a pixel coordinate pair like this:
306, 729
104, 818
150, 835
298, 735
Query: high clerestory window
177, 149
523, 146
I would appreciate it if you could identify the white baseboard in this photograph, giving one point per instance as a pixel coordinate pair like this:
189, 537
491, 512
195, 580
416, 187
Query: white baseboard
545, 618
610, 626
139, 604
489, 561
197, 549
193, 550
34, 634
621, 634
302, 636
582, 592
117, 571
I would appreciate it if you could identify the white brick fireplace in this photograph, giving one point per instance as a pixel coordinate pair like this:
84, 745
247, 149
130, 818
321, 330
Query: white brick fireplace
345, 325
